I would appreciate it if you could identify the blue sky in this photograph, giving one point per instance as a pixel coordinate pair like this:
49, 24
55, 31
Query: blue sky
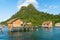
10, 7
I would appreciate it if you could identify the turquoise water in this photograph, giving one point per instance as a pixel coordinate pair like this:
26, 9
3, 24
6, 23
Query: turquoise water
41, 34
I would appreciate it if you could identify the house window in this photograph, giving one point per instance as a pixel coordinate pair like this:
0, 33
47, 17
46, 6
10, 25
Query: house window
21, 24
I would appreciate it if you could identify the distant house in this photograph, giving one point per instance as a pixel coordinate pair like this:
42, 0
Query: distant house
29, 24
57, 24
14, 23
47, 24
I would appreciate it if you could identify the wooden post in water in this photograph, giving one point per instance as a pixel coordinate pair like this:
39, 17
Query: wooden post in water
1, 28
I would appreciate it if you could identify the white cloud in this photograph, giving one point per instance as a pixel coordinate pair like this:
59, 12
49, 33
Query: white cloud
50, 9
53, 7
26, 3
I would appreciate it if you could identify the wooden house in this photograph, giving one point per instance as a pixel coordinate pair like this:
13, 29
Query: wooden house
47, 24
57, 24
14, 23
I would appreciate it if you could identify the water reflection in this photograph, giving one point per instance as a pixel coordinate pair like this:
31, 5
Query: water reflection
14, 36
41, 34
48, 29
20, 35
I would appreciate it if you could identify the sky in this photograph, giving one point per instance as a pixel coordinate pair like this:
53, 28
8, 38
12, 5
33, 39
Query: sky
10, 7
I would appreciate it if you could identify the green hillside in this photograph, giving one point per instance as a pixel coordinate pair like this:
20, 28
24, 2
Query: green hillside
30, 14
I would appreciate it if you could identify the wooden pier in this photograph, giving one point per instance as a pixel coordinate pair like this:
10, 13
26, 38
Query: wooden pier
20, 25
24, 29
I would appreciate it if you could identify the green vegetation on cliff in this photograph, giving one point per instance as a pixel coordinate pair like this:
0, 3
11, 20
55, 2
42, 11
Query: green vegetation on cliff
30, 14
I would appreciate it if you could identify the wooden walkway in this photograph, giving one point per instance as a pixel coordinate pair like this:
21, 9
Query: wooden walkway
25, 29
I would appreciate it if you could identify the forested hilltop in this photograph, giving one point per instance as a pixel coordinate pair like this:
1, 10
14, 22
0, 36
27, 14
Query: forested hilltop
30, 14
